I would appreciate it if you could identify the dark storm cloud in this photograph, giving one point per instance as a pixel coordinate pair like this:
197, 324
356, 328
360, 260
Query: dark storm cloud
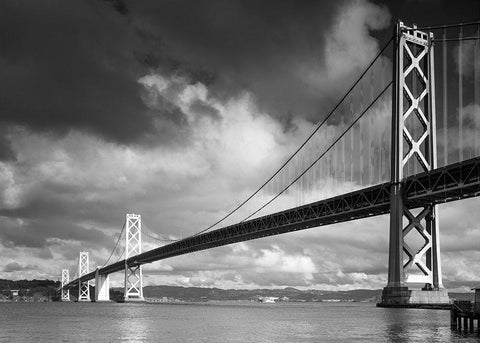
16, 267
435, 12
67, 65
234, 45
70, 65
53, 211
6, 151
36, 233
61, 202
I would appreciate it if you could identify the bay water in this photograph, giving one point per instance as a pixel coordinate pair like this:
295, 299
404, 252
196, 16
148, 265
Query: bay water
223, 322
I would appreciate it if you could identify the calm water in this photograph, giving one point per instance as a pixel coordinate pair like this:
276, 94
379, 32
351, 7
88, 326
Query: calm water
223, 323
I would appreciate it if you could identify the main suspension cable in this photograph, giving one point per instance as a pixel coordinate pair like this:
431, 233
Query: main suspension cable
118, 241
448, 26
323, 154
303, 144
145, 232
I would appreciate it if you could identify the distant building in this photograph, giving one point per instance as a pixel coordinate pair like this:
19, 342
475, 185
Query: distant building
267, 299
14, 292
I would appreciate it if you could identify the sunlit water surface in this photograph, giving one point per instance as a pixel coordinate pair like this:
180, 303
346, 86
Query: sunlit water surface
223, 322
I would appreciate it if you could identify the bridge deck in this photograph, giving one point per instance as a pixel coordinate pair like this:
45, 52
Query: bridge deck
453, 182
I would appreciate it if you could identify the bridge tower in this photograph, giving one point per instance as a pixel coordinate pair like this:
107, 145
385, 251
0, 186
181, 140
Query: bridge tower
133, 273
83, 286
65, 280
413, 102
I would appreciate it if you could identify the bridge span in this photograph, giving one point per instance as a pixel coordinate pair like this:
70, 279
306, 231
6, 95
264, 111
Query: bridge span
356, 153
453, 182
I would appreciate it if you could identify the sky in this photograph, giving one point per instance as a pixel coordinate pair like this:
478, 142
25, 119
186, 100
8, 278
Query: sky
177, 110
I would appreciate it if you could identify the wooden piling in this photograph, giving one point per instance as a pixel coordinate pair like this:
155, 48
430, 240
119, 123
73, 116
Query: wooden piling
453, 319
463, 315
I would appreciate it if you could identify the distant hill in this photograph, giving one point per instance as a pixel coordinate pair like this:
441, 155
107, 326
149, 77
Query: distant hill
293, 294
462, 296
216, 294
46, 289
31, 289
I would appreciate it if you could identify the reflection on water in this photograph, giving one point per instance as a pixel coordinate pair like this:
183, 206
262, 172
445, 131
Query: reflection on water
407, 325
223, 323
133, 325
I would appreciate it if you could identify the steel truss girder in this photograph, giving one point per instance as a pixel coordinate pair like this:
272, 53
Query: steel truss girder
450, 183
454, 182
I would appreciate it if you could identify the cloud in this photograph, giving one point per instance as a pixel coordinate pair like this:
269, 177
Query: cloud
59, 76
74, 78
464, 57
16, 267
469, 145
349, 46
77, 188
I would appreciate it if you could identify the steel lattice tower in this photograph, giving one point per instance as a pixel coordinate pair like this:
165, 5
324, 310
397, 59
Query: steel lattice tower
413, 146
83, 268
133, 273
65, 280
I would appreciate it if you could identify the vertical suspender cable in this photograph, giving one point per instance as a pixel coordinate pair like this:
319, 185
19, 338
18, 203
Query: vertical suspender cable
326, 170
360, 152
343, 153
383, 157
315, 170
352, 164
445, 96
372, 141
334, 167
460, 97
476, 87
318, 126
297, 191
361, 138
302, 180
326, 151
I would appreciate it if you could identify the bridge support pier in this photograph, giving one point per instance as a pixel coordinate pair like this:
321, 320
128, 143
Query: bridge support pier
102, 287
414, 251
133, 273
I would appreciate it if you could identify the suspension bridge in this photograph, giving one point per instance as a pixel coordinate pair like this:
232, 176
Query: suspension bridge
404, 138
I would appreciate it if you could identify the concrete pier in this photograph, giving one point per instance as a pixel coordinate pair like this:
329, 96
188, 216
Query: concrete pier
414, 298
102, 287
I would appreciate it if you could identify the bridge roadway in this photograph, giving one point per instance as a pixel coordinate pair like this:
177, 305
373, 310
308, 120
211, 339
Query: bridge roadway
453, 182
